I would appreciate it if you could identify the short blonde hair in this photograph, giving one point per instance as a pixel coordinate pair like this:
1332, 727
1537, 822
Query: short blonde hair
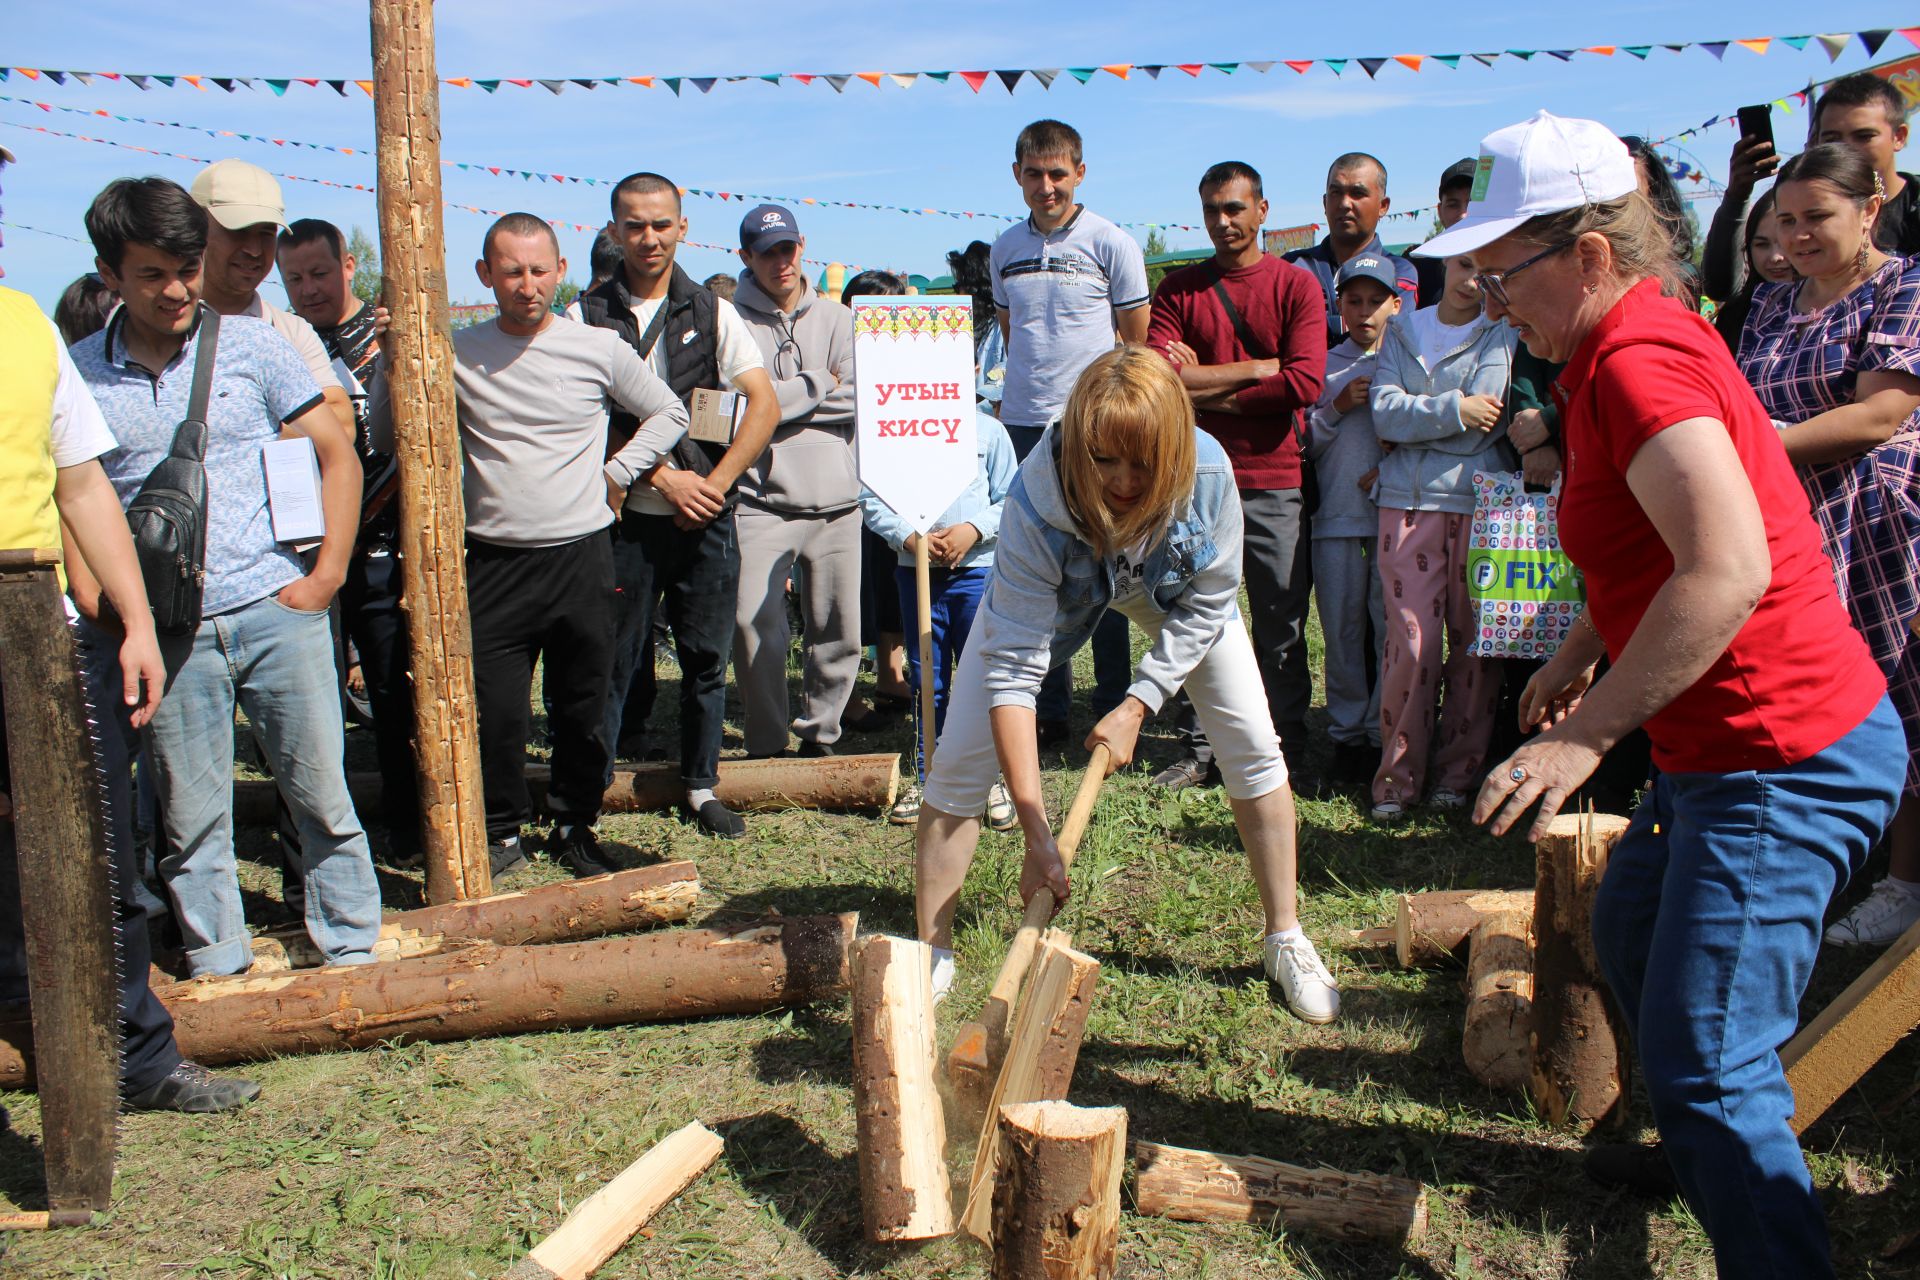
1641, 240
1128, 404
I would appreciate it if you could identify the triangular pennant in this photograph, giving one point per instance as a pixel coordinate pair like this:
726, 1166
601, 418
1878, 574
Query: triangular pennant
1009, 78
1411, 61
366, 87
279, 87
1485, 59
1452, 60
1082, 74
1300, 65
772, 78
1757, 45
338, 86
1153, 69
1639, 51
86, 77
192, 80
489, 85
1261, 67
524, 84
1676, 48
1604, 50
1912, 34
839, 82
975, 79
315, 84
805, 78
705, 83
645, 82
1336, 65
1525, 55
1718, 48
673, 83
138, 82
493, 169
904, 79
939, 77
60, 77
584, 84
1118, 68
1371, 65
1045, 75
458, 82
1874, 39
1798, 42
1225, 68
612, 80
871, 77
1191, 68
1565, 55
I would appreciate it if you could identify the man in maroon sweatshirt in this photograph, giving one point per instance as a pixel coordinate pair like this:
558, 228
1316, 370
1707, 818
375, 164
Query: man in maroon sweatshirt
1248, 335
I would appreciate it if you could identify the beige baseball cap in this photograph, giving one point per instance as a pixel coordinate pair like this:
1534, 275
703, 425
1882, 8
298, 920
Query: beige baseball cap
6, 156
240, 195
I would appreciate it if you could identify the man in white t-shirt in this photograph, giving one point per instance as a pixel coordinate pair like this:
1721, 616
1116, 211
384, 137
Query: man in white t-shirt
676, 540
245, 212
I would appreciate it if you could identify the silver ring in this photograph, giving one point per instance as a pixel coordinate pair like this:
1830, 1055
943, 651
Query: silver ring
1518, 773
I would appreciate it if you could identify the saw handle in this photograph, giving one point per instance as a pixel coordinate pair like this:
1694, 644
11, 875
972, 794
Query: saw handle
1040, 908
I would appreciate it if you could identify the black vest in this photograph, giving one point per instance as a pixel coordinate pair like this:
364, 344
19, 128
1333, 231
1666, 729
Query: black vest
692, 342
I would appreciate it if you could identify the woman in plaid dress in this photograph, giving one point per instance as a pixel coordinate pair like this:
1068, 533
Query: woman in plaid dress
1835, 358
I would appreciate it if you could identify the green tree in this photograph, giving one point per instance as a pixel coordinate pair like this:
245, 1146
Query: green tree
563, 293
366, 273
1156, 245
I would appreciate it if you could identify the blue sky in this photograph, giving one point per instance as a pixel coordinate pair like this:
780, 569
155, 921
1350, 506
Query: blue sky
928, 146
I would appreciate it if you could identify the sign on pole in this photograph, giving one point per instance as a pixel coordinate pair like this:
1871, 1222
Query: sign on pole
914, 403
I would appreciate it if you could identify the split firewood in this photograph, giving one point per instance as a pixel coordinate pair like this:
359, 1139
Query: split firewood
1579, 1057
1876, 1011
1500, 1001
1200, 1186
902, 1127
1428, 928
1056, 1192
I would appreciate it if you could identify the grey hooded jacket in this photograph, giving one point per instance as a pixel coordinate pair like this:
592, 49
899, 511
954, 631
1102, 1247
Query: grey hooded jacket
809, 468
1417, 409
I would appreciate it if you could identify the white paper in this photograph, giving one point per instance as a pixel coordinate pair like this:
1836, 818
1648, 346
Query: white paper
293, 490
914, 402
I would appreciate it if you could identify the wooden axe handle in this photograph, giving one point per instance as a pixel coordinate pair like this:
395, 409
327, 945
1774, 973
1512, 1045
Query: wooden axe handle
20, 559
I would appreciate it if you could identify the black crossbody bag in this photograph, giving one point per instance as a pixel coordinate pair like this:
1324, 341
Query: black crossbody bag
168, 516
1309, 483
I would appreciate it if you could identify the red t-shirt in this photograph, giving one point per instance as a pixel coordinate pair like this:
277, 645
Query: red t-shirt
1798, 676
1285, 314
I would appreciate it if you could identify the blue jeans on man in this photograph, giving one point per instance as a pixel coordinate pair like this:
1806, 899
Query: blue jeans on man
953, 600
1706, 929
277, 663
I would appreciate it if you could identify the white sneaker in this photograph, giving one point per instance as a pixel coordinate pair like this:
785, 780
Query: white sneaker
1883, 915
942, 973
1295, 966
1388, 811
906, 810
1446, 799
1000, 814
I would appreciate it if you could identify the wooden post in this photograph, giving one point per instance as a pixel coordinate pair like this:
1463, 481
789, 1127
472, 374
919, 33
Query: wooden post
904, 1190
1579, 1071
1877, 1010
426, 435
1056, 1197
1040, 1056
1429, 927
923, 584
1200, 1186
1500, 1001
607, 1219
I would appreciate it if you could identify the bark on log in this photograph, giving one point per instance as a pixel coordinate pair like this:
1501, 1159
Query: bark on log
1500, 1001
1041, 1053
852, 783
418, 347
607, 1219
1200, 1186
481, 990
1428, 928
904, 1191
566, 911
1876, 1011
1056, 1195
1579, 1058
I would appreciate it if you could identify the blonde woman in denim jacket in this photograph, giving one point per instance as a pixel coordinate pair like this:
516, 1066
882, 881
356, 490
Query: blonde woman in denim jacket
1122, 504
1438, 407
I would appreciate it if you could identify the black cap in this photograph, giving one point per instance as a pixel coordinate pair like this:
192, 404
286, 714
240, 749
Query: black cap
765, 226
1458, 172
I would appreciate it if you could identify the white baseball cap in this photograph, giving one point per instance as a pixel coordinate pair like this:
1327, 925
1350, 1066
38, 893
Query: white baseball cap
1548, 164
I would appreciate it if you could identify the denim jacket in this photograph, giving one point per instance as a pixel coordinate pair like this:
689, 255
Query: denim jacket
979, 504
1418, 410
1049, 587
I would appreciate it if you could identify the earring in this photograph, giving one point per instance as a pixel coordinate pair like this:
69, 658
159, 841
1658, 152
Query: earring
1860, 259
1592, 288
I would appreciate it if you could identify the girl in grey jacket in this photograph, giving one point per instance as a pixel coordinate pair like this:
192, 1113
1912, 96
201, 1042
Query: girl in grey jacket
1123, 504
1438, 407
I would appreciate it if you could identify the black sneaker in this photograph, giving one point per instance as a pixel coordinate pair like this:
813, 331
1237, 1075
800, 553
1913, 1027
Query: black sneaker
191, 1087
715, 819
1629, 1166
815, 750
1053, 733
575, 847
1184, 773
506, 856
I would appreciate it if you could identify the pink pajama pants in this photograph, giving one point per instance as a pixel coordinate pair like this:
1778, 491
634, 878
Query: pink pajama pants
1423, 576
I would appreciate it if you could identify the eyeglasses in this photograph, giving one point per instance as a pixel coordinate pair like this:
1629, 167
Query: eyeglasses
1493, 284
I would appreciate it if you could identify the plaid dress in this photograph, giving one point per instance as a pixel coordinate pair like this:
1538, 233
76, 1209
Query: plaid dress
1868, 507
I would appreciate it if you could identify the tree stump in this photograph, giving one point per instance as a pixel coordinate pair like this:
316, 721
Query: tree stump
1579, 1067
1056, 1193
1500, 1001
1428, 928
904, 1191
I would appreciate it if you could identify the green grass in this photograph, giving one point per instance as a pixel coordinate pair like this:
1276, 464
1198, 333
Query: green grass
450, 1160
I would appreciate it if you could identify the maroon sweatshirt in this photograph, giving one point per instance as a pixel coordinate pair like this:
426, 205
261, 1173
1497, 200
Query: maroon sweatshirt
1286, 315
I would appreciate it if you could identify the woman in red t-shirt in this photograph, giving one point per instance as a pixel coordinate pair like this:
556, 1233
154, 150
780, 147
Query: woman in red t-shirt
1780, 757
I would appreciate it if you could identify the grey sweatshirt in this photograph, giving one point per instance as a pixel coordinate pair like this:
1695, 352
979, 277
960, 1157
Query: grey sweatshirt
1418, 409
1342, 448
809, 469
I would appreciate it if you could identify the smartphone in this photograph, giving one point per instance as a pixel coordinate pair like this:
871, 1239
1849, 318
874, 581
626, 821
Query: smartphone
1757, 122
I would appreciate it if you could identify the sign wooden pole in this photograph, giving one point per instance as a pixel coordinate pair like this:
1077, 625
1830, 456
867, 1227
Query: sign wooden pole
419, 364
923, 585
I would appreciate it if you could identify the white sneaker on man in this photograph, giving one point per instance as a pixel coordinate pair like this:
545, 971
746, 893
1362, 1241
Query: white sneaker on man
1294, 965
942, 973
1883, 915
906, 810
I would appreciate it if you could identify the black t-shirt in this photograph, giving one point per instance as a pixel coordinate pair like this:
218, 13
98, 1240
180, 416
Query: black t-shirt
1898, 231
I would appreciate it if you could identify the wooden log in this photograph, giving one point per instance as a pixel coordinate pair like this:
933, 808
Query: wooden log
565, 911
1428, 928
1040, 1059
852, 783
607, 1219
1579, 1054
1200, 1186
1056, 1194
1500, 1001
1876, 1011
902, 1127
418, 349
481, 989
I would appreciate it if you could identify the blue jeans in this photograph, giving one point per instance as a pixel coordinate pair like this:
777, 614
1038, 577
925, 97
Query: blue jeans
1722, 907
955, 598
278, 664
1112, 658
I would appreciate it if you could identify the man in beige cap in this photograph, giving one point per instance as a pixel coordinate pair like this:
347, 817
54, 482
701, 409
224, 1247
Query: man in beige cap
245, 213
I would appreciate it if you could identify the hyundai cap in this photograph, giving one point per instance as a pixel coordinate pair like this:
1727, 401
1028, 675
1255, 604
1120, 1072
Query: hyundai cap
766, 226
239, 195
1368, 266
1548, 164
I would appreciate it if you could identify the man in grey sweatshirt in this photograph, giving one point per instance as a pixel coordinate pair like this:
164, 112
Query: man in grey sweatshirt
799, 504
